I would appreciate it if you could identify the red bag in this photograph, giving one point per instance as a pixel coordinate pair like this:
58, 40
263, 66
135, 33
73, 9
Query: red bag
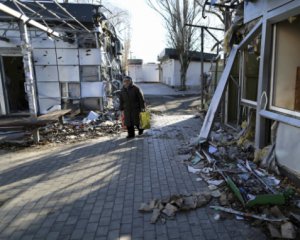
123, 120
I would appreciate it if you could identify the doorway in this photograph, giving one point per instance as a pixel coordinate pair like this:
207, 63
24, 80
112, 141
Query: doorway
14, 79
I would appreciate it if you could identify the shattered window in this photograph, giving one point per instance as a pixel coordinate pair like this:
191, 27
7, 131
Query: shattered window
286, 65
250, 71
86, 40
70, 90
89, 73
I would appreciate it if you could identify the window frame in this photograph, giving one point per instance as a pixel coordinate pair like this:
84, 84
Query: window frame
271, 106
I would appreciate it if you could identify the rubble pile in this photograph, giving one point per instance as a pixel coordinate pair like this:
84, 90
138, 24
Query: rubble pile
167, 207
72, 129
242, 187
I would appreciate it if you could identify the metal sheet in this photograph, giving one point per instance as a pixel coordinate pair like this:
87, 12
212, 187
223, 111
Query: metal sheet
67, 56
288, 147
90, 56
44, 57
68, 73
89, 73
63, 44
13, 43
46, 73
92, 89
11, 33
47, 103
48, 89
42, 42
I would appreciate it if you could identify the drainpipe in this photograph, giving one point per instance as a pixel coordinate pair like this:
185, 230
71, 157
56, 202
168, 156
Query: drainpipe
29, 76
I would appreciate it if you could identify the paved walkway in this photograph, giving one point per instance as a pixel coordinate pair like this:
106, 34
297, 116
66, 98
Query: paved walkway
93, 190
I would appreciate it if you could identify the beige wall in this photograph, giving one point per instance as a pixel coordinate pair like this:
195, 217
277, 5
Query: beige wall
287, 59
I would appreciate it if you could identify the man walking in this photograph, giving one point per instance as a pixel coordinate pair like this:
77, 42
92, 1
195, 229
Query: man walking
132, 103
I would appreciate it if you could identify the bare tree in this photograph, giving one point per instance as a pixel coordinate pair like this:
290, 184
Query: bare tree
176, 14
120, 19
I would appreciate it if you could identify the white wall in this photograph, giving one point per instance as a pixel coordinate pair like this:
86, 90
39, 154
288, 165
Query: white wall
136, 73
150, 72
168, 72
171, 73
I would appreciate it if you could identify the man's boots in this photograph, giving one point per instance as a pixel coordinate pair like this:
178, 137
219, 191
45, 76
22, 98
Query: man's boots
130, 131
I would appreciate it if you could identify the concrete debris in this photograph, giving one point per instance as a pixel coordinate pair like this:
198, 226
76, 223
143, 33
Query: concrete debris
170, 210
288, 231
215, 182
216, 193
274, 232
250, 191
169, 206
145, 208
193, 170
72, 129
155, 215
217, 216
223, 199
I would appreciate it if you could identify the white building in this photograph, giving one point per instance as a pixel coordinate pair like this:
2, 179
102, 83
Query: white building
140, 72
69, 69
170, 68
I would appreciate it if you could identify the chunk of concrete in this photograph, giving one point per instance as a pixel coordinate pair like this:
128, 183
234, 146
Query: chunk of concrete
155, 215
170, 210
288, 231
274, 231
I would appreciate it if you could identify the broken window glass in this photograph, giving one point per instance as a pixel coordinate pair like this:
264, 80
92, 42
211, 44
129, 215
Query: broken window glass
70, 90
250, 71
89, 73
86, 40
286, 66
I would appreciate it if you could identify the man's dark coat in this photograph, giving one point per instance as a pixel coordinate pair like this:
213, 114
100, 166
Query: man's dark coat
132, 102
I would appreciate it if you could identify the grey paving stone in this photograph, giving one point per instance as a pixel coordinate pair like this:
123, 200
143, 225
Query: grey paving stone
93, 190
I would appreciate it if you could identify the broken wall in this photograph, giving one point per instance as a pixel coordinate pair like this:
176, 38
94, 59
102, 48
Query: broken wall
63, 71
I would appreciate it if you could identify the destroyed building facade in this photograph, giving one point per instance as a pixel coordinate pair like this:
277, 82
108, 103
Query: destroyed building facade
260, 82
56, 56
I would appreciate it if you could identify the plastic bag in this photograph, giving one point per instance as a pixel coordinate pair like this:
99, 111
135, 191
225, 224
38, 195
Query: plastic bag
123, 120
145, 120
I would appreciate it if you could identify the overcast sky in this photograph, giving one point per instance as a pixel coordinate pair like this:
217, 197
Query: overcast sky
148, 34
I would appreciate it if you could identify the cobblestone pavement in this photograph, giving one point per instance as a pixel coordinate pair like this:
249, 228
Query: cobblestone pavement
93, 190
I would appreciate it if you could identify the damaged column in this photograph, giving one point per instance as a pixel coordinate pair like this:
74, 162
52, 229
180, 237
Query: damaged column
29, 76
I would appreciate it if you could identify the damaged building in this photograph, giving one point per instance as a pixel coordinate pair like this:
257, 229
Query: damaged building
55, 56
260, 82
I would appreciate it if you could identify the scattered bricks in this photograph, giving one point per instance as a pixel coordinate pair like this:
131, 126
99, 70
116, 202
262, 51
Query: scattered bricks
274, 231
155, 215
170, 210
